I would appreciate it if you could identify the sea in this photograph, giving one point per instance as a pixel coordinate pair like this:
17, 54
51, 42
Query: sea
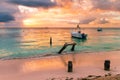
31, 43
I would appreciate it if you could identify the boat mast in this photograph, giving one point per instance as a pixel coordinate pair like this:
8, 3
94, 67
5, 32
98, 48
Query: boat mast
78, 27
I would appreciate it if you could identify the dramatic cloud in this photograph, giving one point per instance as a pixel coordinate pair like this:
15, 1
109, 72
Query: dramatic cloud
6, 7
116, 5
31, 13
102, 4
103, 21
6, 17
106, 4
34, 3
87, 20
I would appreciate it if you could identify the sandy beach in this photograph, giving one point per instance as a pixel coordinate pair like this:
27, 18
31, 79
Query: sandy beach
49, 67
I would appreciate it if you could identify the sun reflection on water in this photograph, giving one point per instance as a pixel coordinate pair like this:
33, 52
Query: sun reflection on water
32, 39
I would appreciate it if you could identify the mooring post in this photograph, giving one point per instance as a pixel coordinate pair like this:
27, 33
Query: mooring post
70, 66
50, 40
107, 65
65, 45
73, 47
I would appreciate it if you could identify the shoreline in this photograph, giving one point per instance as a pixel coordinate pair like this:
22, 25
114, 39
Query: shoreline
52, 55
43, 68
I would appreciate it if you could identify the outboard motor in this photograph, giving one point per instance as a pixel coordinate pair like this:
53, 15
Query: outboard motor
79, 31
84, 36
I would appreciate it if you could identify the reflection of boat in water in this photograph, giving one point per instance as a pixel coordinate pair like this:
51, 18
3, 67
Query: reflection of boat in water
78, 34
99, 29
79, 41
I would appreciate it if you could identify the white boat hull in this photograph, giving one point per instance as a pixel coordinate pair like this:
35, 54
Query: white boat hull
79, 35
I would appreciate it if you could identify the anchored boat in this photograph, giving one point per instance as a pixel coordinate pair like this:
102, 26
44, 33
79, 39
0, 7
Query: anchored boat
78, 34
99, 29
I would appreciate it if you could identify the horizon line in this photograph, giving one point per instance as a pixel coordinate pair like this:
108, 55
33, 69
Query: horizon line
56, 27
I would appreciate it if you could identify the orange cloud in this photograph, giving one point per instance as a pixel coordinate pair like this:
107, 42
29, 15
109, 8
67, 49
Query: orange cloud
68, 13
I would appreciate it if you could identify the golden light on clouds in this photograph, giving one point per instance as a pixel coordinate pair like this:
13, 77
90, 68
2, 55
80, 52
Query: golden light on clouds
52, 0
86, 4
67, 13
30, 22
50, 17
25, 9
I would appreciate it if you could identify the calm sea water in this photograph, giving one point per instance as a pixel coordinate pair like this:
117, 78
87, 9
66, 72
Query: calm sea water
22, 43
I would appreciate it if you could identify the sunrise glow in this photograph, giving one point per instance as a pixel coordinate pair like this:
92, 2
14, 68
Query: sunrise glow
68, 14
59, 39
51, 13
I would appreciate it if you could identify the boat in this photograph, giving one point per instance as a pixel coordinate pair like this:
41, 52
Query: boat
78, 34
99, 29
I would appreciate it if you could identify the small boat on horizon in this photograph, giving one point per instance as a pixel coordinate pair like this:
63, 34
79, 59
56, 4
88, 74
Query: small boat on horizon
78, 34
99, 29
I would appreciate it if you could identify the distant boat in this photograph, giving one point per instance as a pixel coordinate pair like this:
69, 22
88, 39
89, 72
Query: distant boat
99, 29
78, 34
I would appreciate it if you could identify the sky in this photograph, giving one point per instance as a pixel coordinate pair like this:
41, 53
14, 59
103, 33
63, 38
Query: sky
59, 13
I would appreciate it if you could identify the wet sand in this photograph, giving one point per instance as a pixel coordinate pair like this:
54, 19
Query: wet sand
46, 68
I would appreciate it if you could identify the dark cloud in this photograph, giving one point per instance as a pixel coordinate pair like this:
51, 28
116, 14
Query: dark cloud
34, 3
106, 4
102, 4
103, 21
7, 7
6, 17
116, 5
87, 20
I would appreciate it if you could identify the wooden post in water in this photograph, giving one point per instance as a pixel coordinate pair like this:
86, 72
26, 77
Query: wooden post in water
50, 41
107, 65
65, 45
70, 66
73, 47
